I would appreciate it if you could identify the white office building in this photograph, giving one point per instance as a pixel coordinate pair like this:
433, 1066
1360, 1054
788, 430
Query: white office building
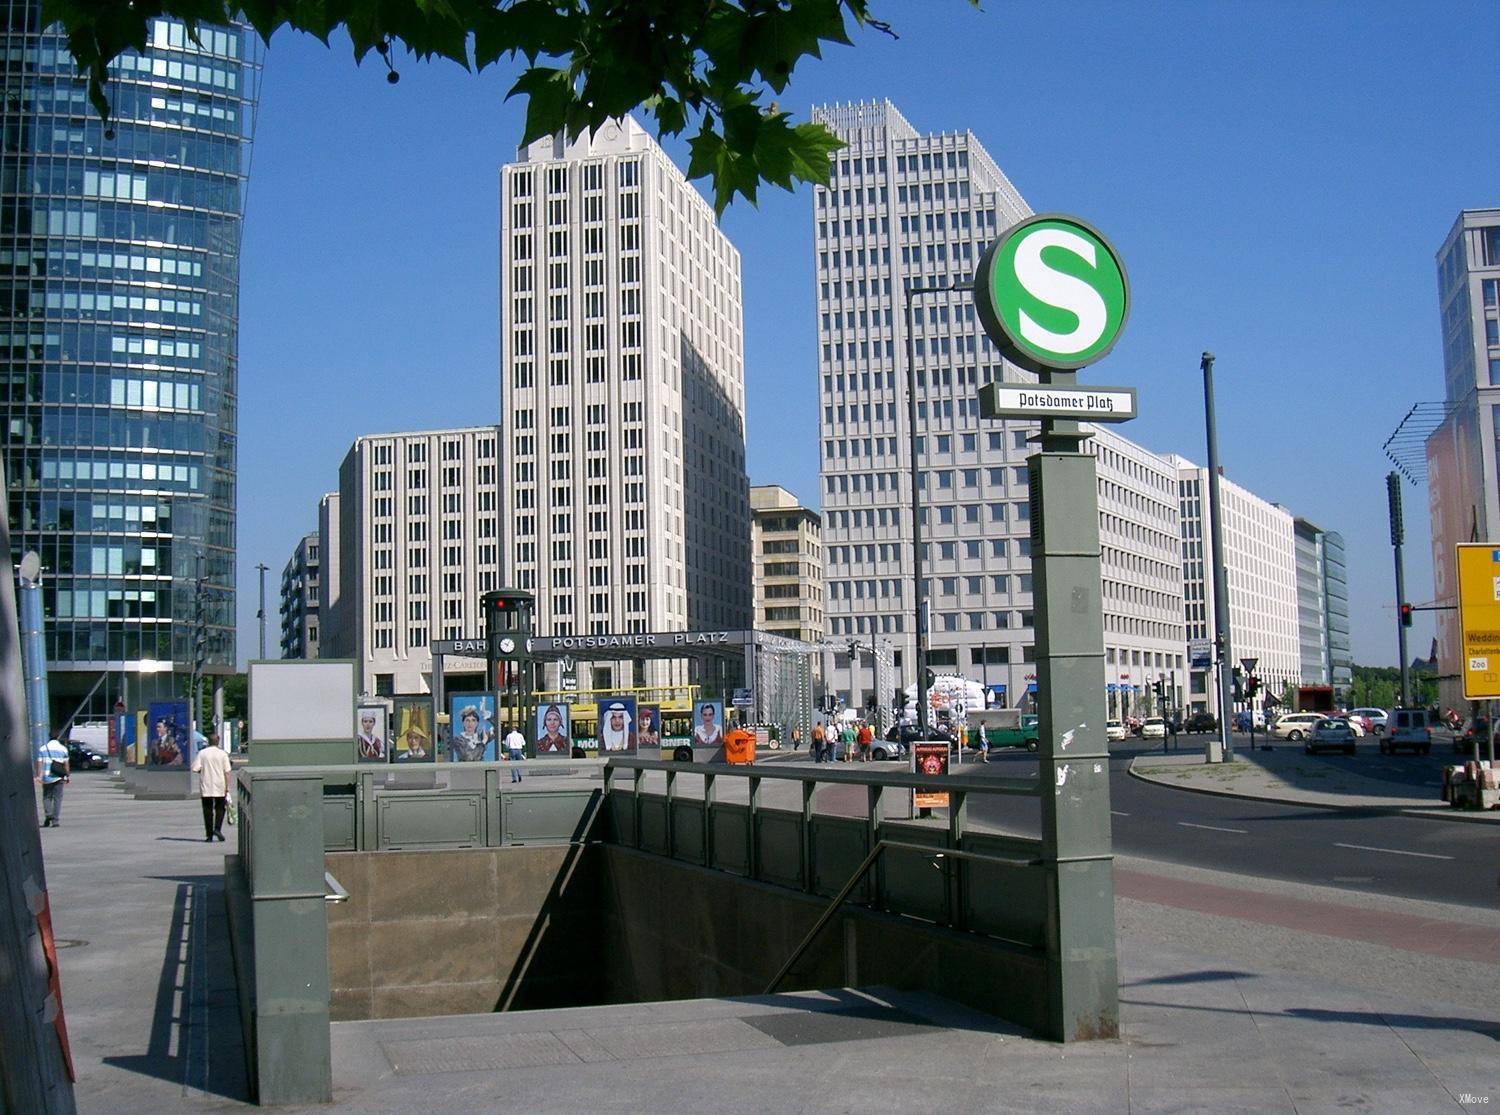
418, 544
1260, 557
623, 394
904, 209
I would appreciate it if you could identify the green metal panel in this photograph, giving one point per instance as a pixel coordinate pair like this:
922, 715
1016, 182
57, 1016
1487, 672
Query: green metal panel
301, 753
418, 819
1009, 902
556, 816
778, 853
910, 883
731, 838
653, 835
839, 846
338, 823
621, 816
292, 1036
687, 830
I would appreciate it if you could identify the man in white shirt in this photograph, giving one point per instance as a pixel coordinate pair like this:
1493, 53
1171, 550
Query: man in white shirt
515, 748
52, 772
211, 765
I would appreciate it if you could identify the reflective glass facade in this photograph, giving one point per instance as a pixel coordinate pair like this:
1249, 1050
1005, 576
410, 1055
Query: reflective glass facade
119, 275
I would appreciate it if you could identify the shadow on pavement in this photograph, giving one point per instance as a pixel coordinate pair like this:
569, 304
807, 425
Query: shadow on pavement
1344, 1017
1398, 1021
194, 1038
1192, 977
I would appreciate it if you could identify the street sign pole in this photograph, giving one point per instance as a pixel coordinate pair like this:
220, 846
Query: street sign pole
1398, 536
1054, 327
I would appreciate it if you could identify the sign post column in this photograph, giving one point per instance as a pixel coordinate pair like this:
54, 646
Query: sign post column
1053, 296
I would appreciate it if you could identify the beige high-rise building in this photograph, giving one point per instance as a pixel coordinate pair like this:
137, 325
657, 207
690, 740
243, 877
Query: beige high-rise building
1260, 564
623, 395
786, 541
418, 544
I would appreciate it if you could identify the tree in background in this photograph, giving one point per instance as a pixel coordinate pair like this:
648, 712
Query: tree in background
714, 63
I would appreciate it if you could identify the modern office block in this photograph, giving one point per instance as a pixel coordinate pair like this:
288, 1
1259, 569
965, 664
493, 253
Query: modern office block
788, 556
1261, 564
418, 544
1312, 616
1463, 495
623, 394
119, 273
300, 592
905, 209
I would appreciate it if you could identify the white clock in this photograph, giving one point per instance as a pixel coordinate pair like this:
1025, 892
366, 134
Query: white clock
507, 645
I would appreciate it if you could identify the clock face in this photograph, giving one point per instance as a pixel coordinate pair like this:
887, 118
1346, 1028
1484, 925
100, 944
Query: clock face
507, 645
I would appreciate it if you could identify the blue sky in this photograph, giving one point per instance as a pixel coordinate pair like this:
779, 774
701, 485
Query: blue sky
1276, 177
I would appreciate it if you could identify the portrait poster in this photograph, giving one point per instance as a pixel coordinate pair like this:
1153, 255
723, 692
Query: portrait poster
372, 744
647, 726
412, 741
932, 759
708, 724
554, 734
617, 726
471, 737
167, 741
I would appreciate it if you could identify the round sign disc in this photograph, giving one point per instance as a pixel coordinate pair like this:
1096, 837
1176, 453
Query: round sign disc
1052, 293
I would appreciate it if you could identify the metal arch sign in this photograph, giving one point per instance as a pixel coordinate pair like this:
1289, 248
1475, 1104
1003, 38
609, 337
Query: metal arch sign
1052, 293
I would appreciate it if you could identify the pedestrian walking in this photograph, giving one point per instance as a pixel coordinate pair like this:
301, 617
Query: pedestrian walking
211, 765
796, 738
819, 742
53, 772
515, 748
865, 739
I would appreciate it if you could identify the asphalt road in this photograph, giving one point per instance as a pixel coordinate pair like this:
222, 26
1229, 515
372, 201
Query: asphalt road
1412, 857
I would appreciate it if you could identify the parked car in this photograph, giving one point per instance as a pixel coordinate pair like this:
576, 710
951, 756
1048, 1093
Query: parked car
1154, 727
1376, 717
1410, 728
83, 757
1202, 722
1330, 734
1475, 731
906, 734
1114, 731
1296, 726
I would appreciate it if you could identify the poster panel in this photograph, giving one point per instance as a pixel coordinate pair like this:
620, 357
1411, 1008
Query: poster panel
932, 759
412, 742
167, 742
373, 738
648, 726
617, 726
553, 731
472, 728
708, 724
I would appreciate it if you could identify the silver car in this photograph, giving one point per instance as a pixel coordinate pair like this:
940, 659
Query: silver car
1331, 735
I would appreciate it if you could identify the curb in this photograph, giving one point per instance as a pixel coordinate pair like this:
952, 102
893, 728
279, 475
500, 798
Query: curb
1471, 816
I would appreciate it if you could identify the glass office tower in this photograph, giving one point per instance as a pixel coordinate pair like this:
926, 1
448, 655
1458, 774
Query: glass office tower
119, 292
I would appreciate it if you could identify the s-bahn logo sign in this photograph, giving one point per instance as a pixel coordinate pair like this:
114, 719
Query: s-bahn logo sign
1052, 293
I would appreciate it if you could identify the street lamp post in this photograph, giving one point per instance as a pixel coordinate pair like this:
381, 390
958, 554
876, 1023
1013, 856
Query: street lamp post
1221, 582
919, 611
261, 615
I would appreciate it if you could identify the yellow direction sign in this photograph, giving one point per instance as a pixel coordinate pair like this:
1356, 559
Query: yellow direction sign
1479, 619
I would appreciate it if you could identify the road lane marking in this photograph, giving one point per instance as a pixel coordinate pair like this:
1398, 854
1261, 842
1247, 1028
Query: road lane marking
1392, 851
1117, 813
1215, 828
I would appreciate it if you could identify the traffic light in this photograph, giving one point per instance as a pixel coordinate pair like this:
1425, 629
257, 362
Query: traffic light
1406, 615
898, 700
931, 679
1239, 684
1160, 689
1252, 686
